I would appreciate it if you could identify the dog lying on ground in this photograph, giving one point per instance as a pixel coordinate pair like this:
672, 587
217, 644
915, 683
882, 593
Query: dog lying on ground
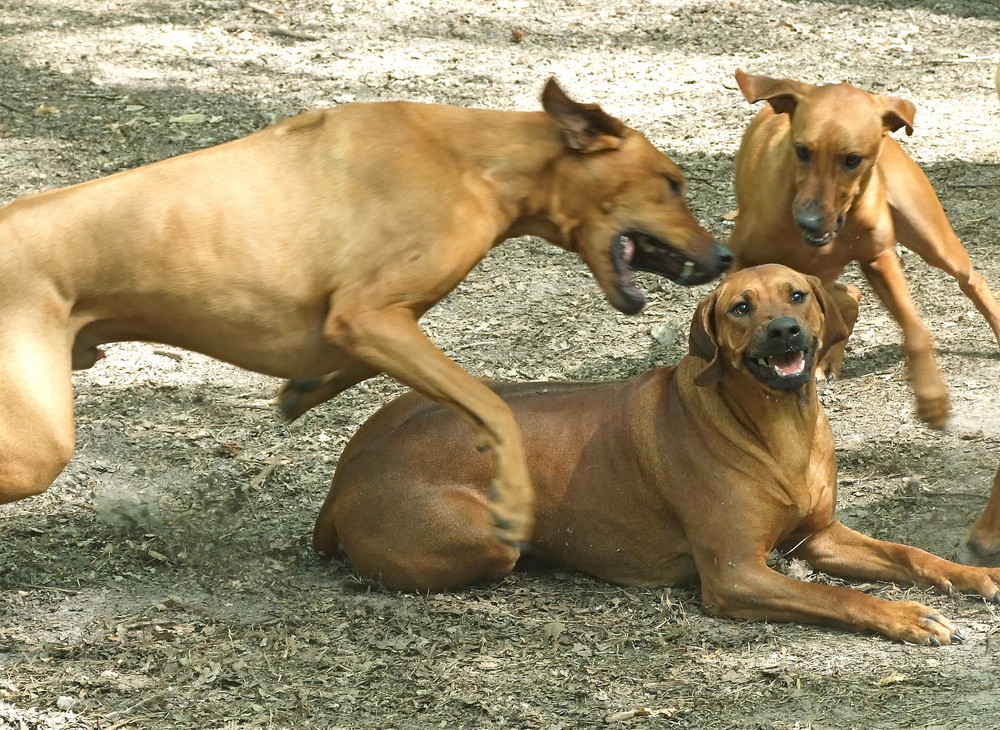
312, 248
819, 184
680, 474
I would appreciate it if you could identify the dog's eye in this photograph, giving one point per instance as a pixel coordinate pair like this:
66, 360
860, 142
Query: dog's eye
851, 162
798, 297
802, 152
741, 309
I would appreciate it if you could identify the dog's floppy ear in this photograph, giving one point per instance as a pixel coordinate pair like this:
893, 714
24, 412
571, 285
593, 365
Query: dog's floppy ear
586, 127
702, 342
897, 113
782, 94
834, 327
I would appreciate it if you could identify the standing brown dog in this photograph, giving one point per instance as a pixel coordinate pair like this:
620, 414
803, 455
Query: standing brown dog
819, 184
688, 473
984, 539
314, 246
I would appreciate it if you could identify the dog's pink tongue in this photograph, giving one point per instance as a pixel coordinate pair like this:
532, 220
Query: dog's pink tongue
789, 363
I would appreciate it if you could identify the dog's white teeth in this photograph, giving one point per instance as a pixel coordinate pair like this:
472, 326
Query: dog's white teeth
762, 362
646, 245
628, 251
688, 269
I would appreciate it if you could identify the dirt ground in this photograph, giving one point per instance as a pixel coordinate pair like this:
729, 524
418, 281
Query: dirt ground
165, 580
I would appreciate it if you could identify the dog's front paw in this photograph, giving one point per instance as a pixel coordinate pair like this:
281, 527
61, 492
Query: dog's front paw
934, 409
980, 581
824, 374
930, 390
915, 623
832, 363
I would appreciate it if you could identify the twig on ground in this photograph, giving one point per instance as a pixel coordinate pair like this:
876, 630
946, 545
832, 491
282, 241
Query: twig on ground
261, 9
126, 723
962, 59
166, 353
275, 30
70, 591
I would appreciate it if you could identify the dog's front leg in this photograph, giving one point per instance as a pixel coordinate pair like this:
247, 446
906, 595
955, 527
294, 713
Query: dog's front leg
885, 274
747, 588
392, 342
848, 299
839, 550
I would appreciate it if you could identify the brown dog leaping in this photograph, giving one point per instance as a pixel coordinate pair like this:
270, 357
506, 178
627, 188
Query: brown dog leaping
694, 472
819, 184
314, 246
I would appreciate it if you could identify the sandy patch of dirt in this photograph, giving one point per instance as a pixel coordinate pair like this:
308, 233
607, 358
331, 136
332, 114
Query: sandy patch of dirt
165, 580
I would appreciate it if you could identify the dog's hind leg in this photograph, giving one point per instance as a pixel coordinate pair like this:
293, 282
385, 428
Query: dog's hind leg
297, 396
984, 540
36, 412
922, 227
391, 341
412, 536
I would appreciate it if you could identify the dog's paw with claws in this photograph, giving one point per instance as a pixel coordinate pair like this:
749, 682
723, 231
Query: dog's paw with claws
915, 623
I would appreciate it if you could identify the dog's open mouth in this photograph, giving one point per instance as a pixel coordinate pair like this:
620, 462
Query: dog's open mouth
818, 239
785, 365
787, 371
637, 250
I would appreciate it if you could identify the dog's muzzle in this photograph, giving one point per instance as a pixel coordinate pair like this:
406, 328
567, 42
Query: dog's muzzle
781, 355
635, 250
812, 225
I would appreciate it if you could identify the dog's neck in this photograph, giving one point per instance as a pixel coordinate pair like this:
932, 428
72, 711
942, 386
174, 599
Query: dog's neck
782, 425
508, 159
770, 413
786, 427
529, 182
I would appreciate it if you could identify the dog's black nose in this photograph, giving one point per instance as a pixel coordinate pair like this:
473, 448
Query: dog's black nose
783, 328
724, 256
809, 219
